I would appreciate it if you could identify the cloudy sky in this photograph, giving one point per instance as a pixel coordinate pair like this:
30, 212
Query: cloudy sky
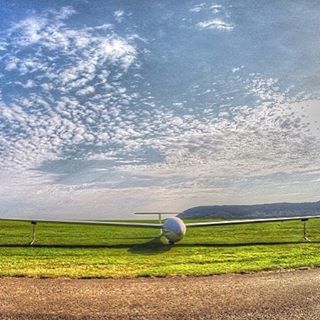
111, 107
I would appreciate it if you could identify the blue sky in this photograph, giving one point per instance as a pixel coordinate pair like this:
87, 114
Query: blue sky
111, 107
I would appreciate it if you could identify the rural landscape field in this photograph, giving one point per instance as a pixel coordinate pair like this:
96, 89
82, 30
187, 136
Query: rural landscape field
101, 252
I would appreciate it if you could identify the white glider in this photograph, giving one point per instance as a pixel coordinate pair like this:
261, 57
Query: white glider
172, 228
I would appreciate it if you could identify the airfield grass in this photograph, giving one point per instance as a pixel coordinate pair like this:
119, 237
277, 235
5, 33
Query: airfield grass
80, 251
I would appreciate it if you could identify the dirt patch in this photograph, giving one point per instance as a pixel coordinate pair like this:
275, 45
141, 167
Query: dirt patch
271, 295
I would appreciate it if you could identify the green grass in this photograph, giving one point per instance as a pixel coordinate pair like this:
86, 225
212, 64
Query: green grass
99, 251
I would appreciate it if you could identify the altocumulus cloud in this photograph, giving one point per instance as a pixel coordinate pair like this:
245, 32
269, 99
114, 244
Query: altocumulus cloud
56, 64
218, 17
81, 130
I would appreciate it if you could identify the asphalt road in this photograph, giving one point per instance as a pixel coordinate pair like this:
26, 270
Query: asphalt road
276, 295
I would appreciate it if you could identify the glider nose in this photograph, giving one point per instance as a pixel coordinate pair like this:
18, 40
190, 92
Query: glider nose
174, 229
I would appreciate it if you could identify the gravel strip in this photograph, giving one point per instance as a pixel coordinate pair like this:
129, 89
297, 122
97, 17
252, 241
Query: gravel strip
271, 295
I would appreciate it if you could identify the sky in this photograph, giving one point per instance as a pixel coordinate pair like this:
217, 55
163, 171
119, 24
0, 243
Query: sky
113, 107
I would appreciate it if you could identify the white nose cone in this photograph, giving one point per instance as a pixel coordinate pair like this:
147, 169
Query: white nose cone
174, 229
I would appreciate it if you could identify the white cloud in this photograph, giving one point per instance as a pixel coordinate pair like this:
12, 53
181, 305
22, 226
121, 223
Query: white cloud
119, 15
198, 7
213, 16
11, 64
215, 24
29, 30
86, 90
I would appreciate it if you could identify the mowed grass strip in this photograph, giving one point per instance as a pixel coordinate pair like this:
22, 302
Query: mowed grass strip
102, 251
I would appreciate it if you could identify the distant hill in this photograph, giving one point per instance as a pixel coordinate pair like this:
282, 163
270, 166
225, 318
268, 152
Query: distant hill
271, 210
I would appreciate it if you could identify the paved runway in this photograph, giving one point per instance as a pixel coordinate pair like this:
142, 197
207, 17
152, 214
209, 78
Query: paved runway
277, 295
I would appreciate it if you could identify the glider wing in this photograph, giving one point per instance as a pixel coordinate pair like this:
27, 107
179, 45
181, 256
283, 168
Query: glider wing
246, 221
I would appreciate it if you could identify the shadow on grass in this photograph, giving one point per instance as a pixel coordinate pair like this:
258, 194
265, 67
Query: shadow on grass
130, 238
154, 246
245, 244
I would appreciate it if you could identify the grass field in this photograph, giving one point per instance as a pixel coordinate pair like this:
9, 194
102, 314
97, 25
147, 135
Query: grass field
99, 251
